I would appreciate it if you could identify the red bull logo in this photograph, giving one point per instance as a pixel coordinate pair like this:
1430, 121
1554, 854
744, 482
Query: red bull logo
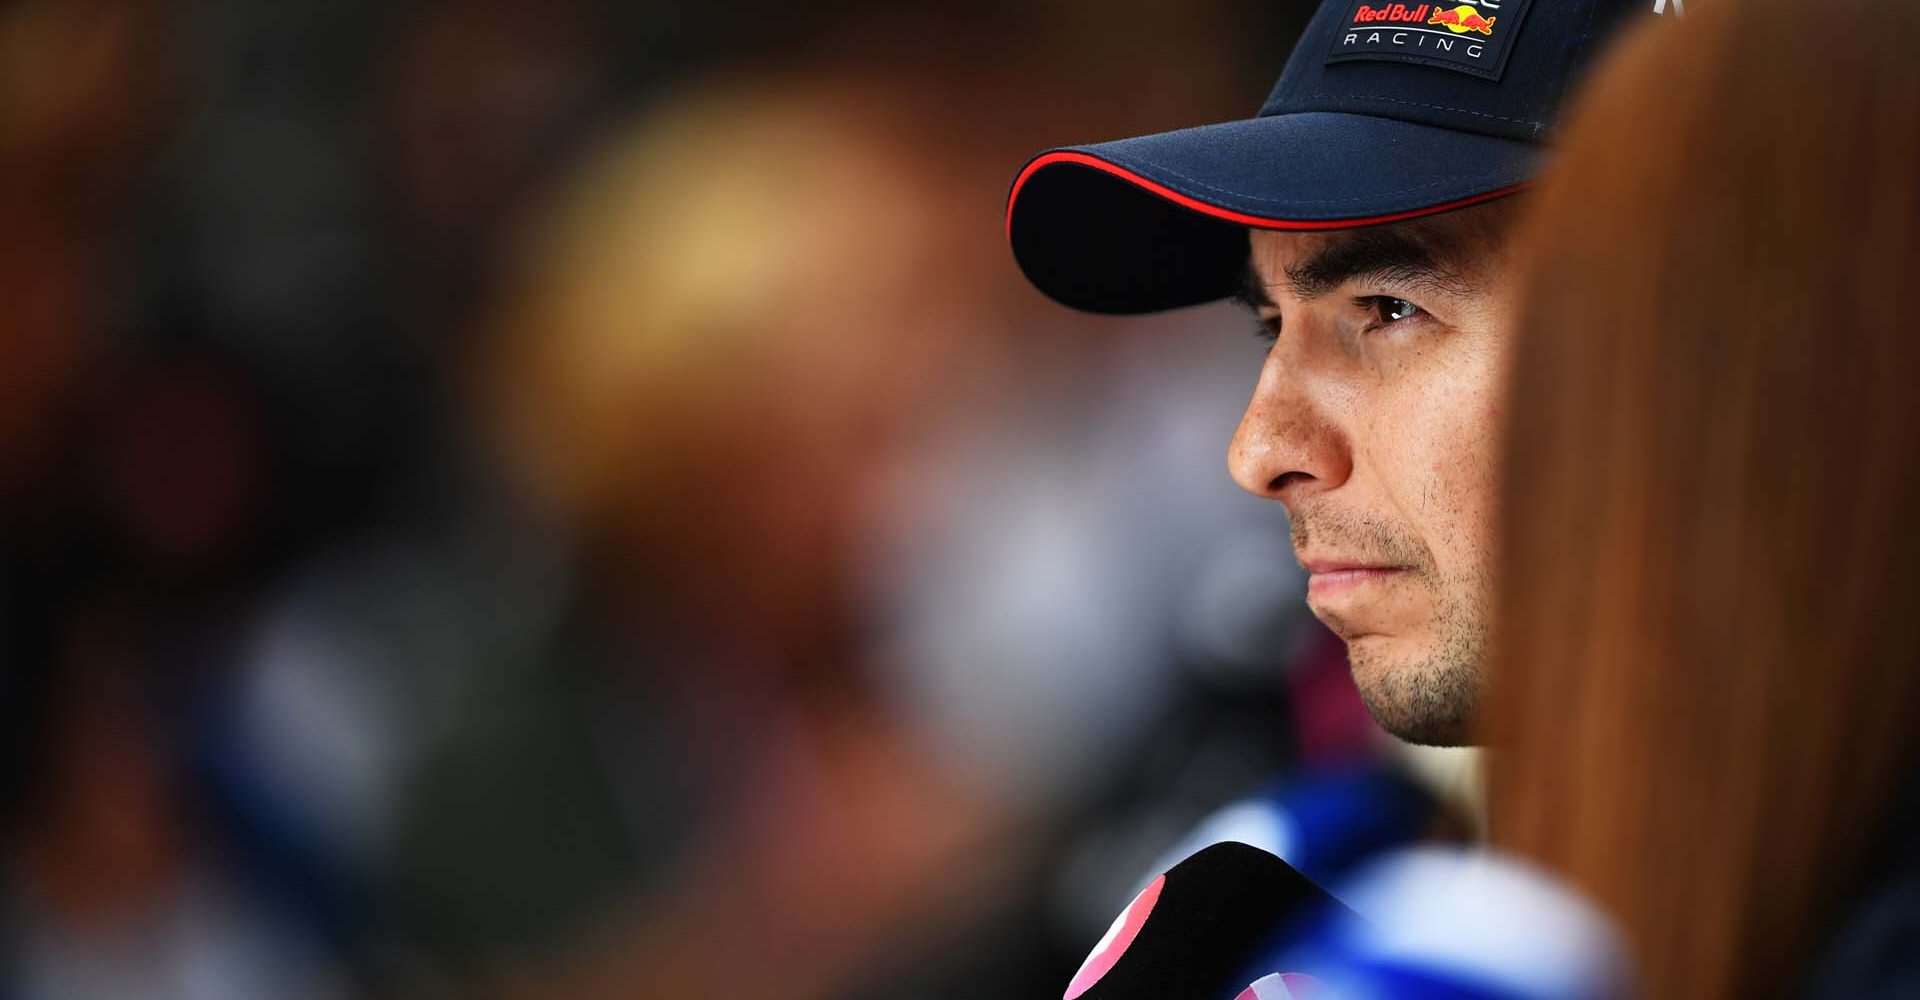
1445, 34
1395, 13
1462, 19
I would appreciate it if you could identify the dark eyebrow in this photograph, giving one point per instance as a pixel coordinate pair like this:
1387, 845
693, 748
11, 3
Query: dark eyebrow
1444, 253
1399, 255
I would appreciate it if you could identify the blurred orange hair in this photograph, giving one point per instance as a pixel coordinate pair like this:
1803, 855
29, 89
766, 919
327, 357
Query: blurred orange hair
1710, 580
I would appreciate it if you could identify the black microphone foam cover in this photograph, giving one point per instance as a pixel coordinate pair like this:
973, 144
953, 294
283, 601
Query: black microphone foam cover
1192, 932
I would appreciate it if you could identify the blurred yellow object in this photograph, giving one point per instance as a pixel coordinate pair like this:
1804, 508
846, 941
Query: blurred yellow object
732, 268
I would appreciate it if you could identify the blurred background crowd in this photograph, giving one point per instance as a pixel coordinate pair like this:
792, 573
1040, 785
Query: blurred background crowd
571, 498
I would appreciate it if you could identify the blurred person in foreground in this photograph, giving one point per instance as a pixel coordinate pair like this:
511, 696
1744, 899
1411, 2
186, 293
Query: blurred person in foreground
1710, 620
1363, 215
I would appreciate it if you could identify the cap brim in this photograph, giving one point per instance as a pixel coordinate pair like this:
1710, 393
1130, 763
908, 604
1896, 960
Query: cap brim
1161, 221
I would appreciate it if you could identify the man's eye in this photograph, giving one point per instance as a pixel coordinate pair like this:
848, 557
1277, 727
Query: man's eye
1387, 309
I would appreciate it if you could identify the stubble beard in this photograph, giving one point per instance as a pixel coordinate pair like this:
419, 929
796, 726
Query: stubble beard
1429, 695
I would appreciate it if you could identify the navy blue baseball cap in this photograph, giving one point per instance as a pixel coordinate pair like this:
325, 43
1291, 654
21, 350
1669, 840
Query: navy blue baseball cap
1386, 111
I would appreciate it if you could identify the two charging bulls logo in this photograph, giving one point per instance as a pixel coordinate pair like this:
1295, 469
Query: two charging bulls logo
1463, 19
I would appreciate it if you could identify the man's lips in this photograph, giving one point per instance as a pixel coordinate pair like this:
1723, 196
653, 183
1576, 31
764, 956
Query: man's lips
1331, 576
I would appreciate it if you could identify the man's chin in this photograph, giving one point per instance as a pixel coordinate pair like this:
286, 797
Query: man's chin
1415, 692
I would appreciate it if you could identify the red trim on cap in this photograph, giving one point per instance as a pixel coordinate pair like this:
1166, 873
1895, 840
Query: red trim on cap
1261, 221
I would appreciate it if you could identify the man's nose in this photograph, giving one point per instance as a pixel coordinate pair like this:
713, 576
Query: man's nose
1286, 447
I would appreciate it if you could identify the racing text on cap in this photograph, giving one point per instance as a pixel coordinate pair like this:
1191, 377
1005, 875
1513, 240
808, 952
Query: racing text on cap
1470, 36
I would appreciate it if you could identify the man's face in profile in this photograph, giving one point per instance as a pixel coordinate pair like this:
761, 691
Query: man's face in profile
1375, 422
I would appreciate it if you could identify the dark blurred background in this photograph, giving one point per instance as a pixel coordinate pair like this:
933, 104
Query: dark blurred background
574, 499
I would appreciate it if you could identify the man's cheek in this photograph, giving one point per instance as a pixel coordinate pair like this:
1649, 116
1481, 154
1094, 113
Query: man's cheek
1459, 468
1456, 521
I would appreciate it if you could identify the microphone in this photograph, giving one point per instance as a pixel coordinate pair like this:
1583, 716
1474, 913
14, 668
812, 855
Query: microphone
1192, 932
1451, 924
